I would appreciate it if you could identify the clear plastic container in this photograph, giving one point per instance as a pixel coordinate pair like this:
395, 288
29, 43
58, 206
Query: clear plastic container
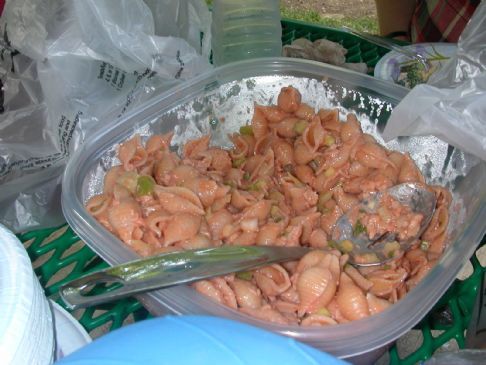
222, 100
243, 30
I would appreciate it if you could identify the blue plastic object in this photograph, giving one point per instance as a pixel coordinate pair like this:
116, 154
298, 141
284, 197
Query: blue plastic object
195, 340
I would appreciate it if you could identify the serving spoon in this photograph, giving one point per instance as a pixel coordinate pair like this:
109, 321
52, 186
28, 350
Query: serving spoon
386, 43
182, 267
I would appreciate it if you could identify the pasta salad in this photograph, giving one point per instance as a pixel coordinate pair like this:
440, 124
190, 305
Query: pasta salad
292, 172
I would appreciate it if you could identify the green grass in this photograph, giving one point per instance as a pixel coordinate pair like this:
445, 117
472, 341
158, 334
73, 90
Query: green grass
364, 24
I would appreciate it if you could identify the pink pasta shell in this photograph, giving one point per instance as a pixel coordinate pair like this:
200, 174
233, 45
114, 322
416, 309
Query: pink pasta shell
266, 313
246, 293
98, 204
158, 142
302, 153
289, 99
313, 135
351, 128
176, 199
285, 128
267, 234
272, 280
195, 147
318, 320
180, 227
330, 119
217, 221
376, 305
259, 124
305, 111
243, 146
316, 287
273, 113
241, 199
351, 299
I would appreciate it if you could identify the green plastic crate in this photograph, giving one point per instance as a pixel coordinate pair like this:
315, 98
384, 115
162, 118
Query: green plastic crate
58, 256
359, 50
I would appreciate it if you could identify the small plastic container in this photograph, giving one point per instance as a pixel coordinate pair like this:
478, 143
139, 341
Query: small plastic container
221, 101
242, 30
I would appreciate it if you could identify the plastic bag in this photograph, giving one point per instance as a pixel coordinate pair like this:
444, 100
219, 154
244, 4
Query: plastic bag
69, 67
452, 106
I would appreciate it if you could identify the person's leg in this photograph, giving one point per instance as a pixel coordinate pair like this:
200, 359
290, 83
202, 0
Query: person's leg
394, 16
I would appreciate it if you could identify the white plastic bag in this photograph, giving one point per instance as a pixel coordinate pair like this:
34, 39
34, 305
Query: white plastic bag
69, 67
452, 106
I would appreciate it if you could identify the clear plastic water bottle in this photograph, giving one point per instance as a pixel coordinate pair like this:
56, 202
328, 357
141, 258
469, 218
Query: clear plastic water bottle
243, 29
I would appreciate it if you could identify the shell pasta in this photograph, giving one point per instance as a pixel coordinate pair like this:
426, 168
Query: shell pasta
292, 172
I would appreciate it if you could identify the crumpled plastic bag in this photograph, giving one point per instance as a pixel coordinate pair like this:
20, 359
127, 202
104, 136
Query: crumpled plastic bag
452, 105
70, 67
322, 50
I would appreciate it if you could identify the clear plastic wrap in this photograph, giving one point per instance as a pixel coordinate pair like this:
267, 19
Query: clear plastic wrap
452, 106
67, 69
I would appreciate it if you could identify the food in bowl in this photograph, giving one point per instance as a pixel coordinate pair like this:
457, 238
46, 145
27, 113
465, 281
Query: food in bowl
290, 175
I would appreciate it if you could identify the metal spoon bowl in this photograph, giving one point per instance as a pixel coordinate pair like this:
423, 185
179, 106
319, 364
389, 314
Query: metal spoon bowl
374, 250
183, 267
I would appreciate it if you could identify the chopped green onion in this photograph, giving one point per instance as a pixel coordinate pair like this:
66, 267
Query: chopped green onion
246, 130
257, 186
244, 275
145, 185
230, 183
300, 126
275, 214
346, 246
324, 312
324, 197
238, 162
359, 228
391, 248
332, 244
329, 172
424, 246
321, 202
276, 196
322, 209
246, 176
367, 258
329, 140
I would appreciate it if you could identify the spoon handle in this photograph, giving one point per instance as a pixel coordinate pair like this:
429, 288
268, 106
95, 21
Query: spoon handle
170, 269
383, 42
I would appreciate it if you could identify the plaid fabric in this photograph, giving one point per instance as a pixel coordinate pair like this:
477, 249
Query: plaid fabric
440, 20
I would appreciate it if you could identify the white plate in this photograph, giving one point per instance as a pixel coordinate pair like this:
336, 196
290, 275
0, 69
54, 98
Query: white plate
388, 67
69, 334
26, 330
